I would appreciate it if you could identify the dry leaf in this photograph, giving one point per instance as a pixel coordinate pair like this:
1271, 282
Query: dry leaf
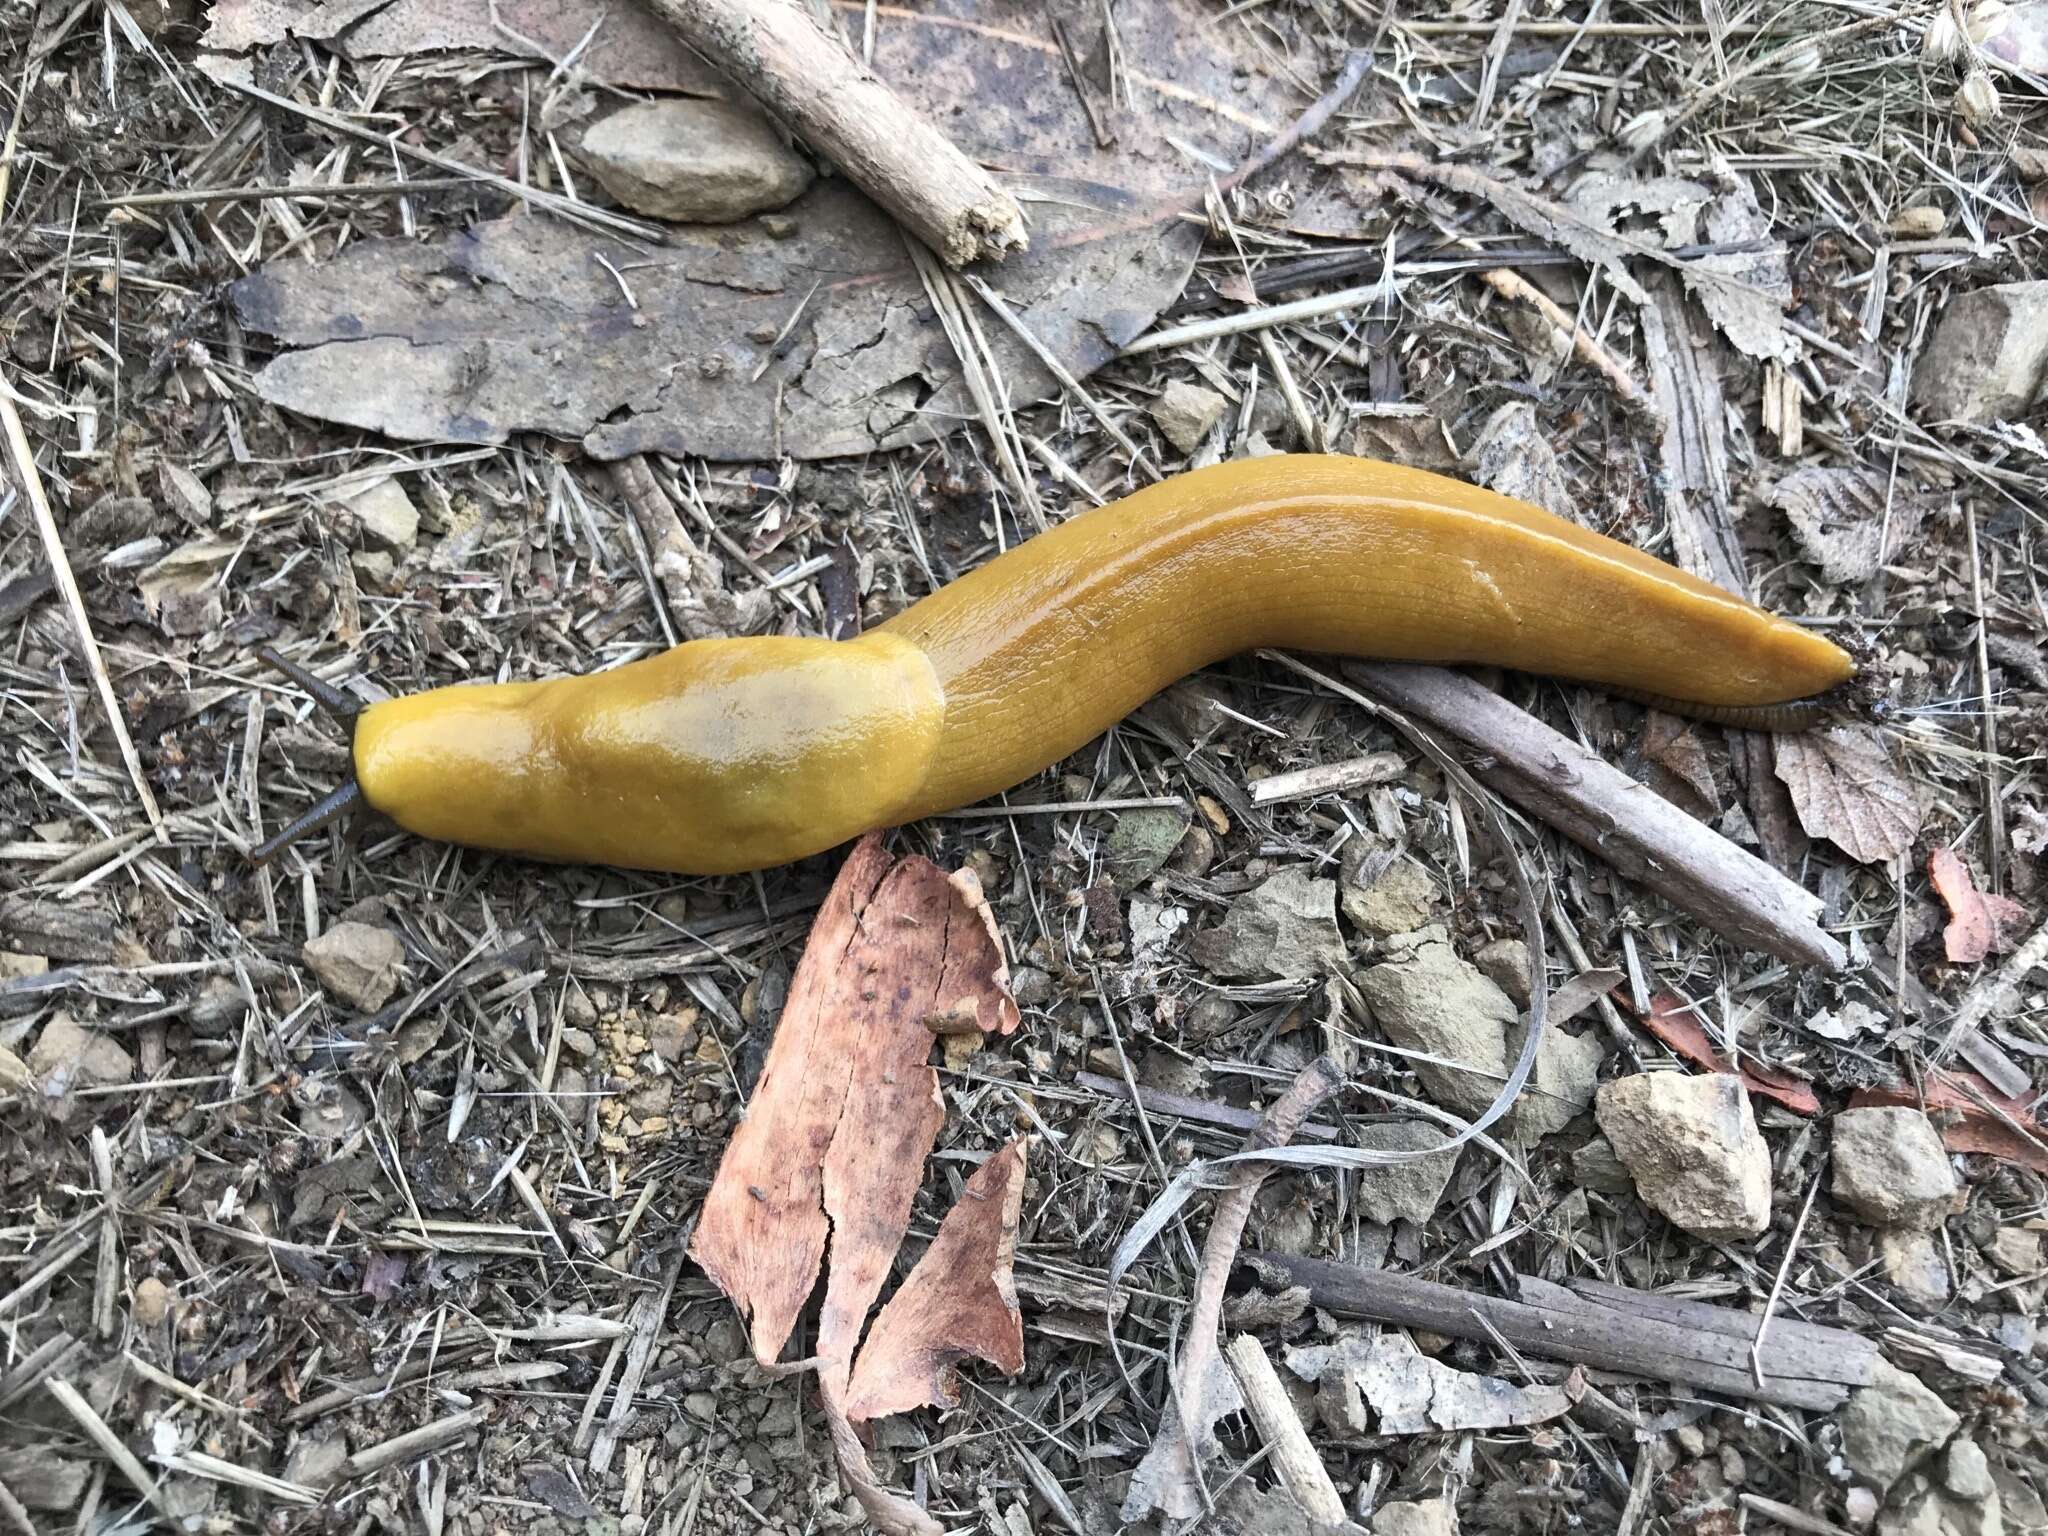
846, 1111
1673, 1020
521, 325
630, 47
1978, 923
960, 1302
1415, 1395
1971, 1115
1846, 789
1674, 745
1838, 516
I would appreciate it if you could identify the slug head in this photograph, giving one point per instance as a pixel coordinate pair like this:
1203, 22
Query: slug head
712, 758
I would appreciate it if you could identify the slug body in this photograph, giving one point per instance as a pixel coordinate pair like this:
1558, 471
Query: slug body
729, 755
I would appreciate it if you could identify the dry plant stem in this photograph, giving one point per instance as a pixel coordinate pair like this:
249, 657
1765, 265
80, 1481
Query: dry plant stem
804, 75
1512, 285
1660, 1338
1276, 1128
15, 1513
1993, 996
1646, 836
96, 1430
31, 483
1266, 1400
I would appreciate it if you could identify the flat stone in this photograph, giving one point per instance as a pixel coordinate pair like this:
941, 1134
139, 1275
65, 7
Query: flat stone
1406, 1191
386, 515
314, 1461
1935, 1512
356, 962
1914, 1263
153, 1301
1383, 893
694, 161
2015, 1251
1891, 1168
1987, 357
67, 1055
1693, 1149
1891, 1425
1185, 412
1434, 1518
1286, 927
1506, 963
1966, 1471
1432, 1001
1594, 1166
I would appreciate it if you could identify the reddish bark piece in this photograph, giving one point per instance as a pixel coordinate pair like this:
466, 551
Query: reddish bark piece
959, 1303
1971, 1116
835, 1140
1671, 1020
1978, 923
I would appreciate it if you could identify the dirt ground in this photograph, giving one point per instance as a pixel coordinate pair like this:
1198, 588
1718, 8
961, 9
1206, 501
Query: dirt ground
369, 1240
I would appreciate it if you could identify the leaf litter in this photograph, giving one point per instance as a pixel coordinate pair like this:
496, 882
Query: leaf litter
833, 1149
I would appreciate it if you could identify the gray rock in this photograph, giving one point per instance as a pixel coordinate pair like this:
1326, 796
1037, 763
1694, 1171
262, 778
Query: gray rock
1966, 1471
1434, 1518
1185, 413
1934, 1512
1987, 357
694, 161
386, 515
1407, 1191
67, 1055
357, 963
2014, 1251
1141, 842
1506, 963
1891, 1168
1891, 1425
1432, 1001
1594, 1166
315, 1461
1692, 1147
1383, 893
1915, 1264
331, 1112
1286, 927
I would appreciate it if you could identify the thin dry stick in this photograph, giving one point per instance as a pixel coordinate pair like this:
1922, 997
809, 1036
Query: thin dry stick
60, 567
16, 1513
96, 1430
803, 73
1294, 1457
1994, 802
1512, 285
1283, 1118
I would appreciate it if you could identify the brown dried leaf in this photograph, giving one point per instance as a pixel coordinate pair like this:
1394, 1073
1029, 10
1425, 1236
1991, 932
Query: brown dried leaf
1846, 789
1838, 517
521, 325
960, 1302
1978, 923
846, 1111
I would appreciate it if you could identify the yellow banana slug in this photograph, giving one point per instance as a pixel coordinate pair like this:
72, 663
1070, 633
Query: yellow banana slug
729, 755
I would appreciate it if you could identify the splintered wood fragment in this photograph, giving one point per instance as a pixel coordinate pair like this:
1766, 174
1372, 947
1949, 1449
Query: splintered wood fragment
847, 1109
1806, 1365
414, 1443
1294, 1457
801, 71
1629, 826
649, 1313
959, 1303
1329, 778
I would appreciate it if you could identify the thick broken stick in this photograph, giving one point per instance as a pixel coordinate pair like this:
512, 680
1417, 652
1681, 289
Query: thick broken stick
803, 73
1631, 827
1294, 1456
1805, 1365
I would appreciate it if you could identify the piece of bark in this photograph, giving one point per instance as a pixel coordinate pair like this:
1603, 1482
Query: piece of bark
1805, 1365
805, 75
1633, 828
1673, 1020
847, 1109
960, 1302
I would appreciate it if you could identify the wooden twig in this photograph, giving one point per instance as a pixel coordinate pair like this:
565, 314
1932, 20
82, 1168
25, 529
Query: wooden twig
1266, 1400
807, 77
96, 1430
1633, 828
31, 482
1512, 285
1608, 1327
